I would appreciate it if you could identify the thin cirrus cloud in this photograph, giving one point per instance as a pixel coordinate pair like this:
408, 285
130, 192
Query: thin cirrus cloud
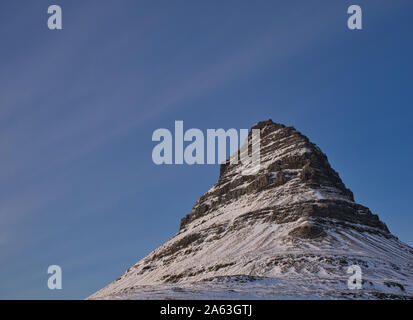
49, 145
74, 117
101, 117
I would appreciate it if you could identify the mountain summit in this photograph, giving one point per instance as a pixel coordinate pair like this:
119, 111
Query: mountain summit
290, 231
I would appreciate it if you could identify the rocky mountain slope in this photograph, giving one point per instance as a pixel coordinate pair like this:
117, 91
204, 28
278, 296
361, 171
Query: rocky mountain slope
290, 231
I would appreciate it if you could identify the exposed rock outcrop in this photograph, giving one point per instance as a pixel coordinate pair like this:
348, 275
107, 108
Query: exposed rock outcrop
295, 219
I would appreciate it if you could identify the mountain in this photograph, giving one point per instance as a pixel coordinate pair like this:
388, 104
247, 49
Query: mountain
290, 231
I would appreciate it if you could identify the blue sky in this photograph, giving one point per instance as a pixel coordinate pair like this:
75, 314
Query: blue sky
78, 107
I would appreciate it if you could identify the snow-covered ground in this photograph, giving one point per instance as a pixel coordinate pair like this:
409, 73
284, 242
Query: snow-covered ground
251, 288
289, 239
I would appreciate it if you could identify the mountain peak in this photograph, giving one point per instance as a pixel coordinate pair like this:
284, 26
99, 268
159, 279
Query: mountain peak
292, 221
294, 168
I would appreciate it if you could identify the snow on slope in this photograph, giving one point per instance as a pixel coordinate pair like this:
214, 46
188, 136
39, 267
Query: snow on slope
291, 231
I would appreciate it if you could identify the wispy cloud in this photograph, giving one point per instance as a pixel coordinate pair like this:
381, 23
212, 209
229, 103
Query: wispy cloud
62, 102
60, 117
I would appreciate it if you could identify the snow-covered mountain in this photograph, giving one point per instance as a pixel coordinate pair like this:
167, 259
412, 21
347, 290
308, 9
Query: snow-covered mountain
291, 231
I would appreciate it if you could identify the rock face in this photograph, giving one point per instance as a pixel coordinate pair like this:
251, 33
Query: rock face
289, 231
